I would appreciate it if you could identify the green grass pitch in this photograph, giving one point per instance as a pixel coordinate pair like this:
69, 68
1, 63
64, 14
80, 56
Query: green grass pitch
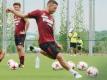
46, 73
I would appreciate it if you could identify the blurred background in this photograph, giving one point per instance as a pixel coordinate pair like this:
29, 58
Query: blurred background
88, 17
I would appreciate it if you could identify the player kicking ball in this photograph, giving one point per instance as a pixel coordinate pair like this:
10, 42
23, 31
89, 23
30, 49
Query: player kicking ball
47, 43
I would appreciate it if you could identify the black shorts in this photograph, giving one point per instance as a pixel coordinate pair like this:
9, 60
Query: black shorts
73, 45
50, 48
19, 39
79, 47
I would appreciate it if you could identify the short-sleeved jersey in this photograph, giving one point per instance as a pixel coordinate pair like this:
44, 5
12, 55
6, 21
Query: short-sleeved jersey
73, 37
79, 42
45, 24
19, 25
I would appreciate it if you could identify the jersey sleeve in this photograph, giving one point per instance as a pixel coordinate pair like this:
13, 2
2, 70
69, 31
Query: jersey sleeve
34, 14
69, 35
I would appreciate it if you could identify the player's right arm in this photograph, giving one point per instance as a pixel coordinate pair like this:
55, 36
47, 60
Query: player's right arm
17, 13
32, 14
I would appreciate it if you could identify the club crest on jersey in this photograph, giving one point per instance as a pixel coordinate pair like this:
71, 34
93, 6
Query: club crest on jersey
46, 19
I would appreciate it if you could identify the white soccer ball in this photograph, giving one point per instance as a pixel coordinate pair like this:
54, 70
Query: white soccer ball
82, 65
56, 66
71, 64
10, 61
92, 71
12, 64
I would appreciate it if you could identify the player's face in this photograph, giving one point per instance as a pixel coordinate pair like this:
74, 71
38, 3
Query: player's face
52, 8
17, 7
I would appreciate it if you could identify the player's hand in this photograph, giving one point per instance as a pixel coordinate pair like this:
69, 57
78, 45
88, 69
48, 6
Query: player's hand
60, 46
8, 10
22, 32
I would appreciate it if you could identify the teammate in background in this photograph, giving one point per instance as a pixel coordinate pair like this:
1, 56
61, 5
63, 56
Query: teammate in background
73, 41
45, 21
21, 26
2, 54
79, 45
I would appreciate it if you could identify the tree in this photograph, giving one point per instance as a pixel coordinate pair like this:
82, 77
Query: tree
78, 18
79, 23
63, 28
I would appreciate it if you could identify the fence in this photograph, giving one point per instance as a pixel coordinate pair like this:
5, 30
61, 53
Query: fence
99, 47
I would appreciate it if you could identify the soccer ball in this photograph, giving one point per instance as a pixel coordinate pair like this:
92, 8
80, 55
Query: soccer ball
82, 65
12, 64
92, 71
71, 64
56, 66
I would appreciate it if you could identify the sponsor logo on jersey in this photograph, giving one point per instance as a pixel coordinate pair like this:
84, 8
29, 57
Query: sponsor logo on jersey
46, 19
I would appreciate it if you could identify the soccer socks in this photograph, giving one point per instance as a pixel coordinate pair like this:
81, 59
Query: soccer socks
22, 60
75, 73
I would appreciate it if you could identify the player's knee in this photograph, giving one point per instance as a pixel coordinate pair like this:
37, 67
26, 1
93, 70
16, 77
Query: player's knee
59, 56
19, 48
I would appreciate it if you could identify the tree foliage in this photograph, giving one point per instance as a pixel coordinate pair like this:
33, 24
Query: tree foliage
63, 28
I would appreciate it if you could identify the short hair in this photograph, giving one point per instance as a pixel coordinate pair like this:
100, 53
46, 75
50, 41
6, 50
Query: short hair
52, 1
17, 3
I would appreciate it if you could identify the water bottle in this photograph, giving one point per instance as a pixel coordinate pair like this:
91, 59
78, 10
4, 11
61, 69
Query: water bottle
37, 62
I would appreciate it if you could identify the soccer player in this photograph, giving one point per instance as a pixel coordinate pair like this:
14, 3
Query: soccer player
2, 54
73, 41
45, 21
21, 26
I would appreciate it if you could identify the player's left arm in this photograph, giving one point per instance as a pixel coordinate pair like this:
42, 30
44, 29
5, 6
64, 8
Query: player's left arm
26, 24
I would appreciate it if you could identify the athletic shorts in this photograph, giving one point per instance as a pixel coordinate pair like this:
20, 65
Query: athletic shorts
79, 47
19, 39
50, 48
73, 45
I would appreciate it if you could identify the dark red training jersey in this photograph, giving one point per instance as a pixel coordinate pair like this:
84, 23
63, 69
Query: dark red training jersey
19, 25
45, 24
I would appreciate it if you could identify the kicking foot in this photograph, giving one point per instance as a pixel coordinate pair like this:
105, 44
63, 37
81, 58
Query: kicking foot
77, 76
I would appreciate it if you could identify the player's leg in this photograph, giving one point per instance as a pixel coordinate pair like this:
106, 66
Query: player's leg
21, 53
79, 50
39, 50
51, 50
73, 48
19, 40
61, 60
74, 45
2, 54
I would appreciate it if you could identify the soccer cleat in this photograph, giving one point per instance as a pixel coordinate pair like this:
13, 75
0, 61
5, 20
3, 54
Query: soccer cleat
35, 49
77, 76
21, 65
31, 48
